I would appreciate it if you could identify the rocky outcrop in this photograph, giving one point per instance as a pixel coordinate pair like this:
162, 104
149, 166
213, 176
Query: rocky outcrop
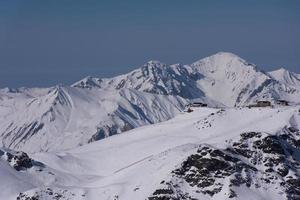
51, 194
18, 160
255, 161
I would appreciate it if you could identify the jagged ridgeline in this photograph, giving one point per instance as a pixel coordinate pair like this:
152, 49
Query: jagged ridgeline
63, 117
209, 153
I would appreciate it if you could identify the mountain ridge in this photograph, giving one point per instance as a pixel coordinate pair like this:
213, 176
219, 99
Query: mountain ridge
65, 142
207, 154
94, 108
223, 77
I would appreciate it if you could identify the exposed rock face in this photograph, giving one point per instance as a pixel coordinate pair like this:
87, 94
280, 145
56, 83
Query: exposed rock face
256, 160
51, 194
18, 160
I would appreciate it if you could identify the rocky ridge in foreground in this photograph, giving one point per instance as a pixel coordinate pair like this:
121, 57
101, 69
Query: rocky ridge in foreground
256, 161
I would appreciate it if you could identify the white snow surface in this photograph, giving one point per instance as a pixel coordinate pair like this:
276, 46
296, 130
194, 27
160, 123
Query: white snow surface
132, 165
36, 120
234, 82
65, 129
223, 78
286, 77
63, 117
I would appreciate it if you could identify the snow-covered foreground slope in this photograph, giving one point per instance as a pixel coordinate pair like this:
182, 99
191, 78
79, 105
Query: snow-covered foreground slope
206, 154
36, 120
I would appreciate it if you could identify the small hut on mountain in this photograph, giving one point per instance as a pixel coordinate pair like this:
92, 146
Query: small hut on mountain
190, 106
198, 104
282, 102
261, 104
264, 104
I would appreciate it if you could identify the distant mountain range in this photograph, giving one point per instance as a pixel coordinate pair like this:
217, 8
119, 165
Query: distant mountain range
55, 144
223, 78
63, 117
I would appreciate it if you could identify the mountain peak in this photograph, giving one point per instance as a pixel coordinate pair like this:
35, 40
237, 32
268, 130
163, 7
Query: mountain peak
88, 82
154, 64
225, 57
222, 62
285, 76
226, 54
280, 70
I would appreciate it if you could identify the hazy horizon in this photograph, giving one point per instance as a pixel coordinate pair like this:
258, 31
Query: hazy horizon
47, 43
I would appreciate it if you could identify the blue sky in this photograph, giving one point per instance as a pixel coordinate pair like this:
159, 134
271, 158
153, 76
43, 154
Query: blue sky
43, 43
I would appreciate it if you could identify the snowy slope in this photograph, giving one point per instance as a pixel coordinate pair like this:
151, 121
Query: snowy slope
64, 117
153, 77
223, 78
286, 77
233, 81
252, 158
228, 77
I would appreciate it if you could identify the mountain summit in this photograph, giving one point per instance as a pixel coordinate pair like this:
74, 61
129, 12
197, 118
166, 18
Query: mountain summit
54, 141
94, 108
286, 77
224, 78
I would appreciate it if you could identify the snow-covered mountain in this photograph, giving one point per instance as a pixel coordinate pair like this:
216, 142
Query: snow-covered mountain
62, 117
48, 149
286, 77
232, 81
236, 153
36, 120
223, 78
153, 77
